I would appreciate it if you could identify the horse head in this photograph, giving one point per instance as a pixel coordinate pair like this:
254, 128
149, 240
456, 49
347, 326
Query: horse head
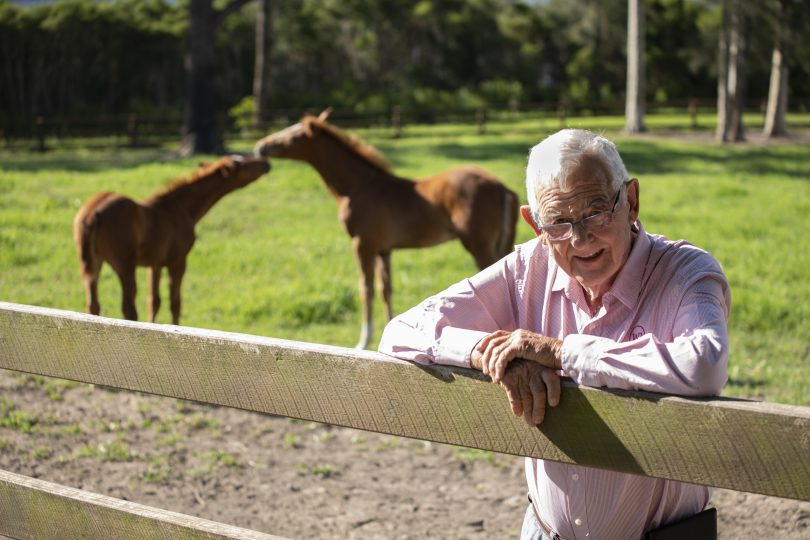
240, 171
296, 142
293, 142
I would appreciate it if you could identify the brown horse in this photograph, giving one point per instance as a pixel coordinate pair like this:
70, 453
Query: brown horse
155, 232
381, 211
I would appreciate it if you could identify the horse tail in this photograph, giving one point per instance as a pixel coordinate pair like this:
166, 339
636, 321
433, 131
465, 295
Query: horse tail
84, 234
506, 240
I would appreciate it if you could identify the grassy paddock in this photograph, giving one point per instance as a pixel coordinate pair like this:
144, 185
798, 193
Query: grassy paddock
272, 259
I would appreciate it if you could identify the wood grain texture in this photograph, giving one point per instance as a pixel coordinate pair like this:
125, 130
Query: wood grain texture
35, 509
736, 444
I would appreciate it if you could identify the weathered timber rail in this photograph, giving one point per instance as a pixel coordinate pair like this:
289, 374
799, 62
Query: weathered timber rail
730, 443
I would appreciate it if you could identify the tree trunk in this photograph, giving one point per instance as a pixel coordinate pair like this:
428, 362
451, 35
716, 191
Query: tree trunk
736, 73
199, 133
731, 74
721, 134
261, 67
776, 113
635, 103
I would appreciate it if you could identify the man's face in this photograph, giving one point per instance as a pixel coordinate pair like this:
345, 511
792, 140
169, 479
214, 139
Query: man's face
592, 255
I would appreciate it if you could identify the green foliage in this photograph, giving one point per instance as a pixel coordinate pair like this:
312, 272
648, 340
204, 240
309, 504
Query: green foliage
292, 440
116, 451
243, 113
323, 470
272, 259
95, 59
473, 454
13, 418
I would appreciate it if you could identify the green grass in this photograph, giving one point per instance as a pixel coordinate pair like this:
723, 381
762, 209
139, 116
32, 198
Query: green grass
273, 260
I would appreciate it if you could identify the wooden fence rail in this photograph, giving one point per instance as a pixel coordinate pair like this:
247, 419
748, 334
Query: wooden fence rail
730, 443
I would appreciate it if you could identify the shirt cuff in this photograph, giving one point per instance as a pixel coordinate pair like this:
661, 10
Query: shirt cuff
454, 346
580, 356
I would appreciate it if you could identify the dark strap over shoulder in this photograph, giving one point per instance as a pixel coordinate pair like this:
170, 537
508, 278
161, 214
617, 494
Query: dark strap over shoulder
701, 526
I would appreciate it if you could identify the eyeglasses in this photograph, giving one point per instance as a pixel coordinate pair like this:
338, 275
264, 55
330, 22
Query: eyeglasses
557, 232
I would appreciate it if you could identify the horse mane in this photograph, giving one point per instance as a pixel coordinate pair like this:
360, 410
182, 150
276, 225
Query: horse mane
205, 170
353, 143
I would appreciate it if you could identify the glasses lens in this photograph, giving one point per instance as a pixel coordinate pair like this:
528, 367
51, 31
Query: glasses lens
598, 221
558, 231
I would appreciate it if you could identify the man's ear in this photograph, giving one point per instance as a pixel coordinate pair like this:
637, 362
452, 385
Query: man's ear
526, 212
633, 199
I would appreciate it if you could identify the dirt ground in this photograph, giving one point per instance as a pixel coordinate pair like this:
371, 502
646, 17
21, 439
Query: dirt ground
290, 478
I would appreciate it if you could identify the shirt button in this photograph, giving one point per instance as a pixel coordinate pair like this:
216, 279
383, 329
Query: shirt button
575, 477
578, 521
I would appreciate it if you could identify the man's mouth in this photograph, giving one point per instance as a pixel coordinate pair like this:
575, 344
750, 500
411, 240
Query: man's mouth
592, 257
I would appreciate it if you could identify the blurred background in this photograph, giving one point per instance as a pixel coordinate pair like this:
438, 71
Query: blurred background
201, 71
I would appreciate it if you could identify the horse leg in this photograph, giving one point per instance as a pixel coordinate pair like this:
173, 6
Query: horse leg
384, 276
90, 275
176, 272
365, 262
91, 294
154, 292
129, 288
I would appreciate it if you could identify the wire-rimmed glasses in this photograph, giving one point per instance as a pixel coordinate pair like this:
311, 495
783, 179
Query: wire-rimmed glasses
557, 232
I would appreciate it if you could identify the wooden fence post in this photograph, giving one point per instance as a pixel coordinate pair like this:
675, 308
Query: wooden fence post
40, 132
561, 112
481, 120
693, 112
396, 121
132, 129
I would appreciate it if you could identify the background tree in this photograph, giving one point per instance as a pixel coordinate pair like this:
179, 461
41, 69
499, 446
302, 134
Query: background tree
200, 135
86, 63
731, 74
776, 113
261, 69
636, 100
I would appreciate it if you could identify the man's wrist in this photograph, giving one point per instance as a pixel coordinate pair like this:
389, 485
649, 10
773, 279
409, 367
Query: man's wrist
556, 352
476, 359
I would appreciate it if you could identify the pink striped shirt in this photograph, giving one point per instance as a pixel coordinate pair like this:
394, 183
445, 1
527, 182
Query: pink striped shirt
662, 328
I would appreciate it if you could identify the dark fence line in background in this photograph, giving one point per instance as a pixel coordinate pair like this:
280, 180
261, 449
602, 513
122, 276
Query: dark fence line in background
148, 130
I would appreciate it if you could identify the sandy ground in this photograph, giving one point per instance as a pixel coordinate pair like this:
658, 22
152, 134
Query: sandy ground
290, 478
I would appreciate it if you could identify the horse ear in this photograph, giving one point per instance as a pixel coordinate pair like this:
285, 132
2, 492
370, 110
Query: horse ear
306, 123
325, 114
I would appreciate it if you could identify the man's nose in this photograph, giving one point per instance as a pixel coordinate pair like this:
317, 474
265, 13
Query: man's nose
580, 234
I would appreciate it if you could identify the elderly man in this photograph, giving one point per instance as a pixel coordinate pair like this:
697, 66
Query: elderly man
595, 298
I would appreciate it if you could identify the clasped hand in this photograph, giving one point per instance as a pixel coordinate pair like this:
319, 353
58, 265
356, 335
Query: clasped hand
525, 365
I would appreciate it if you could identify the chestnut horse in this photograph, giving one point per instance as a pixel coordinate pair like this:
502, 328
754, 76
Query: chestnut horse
155, 232
382, 212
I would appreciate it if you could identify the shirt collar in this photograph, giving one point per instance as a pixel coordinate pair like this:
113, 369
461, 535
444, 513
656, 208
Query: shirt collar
627, 285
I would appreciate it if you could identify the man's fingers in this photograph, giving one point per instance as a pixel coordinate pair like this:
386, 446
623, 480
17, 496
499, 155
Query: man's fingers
484, 342
527, 395
515, 401
552, 383
505, 354
538, 389
487, 346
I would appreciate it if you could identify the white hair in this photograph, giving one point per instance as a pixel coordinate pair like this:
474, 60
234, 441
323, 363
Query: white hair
553, 158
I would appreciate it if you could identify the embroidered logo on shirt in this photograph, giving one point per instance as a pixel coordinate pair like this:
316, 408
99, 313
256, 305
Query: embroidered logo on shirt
637, 332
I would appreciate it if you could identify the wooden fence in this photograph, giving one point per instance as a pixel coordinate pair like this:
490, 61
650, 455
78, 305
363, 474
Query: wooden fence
730, 443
